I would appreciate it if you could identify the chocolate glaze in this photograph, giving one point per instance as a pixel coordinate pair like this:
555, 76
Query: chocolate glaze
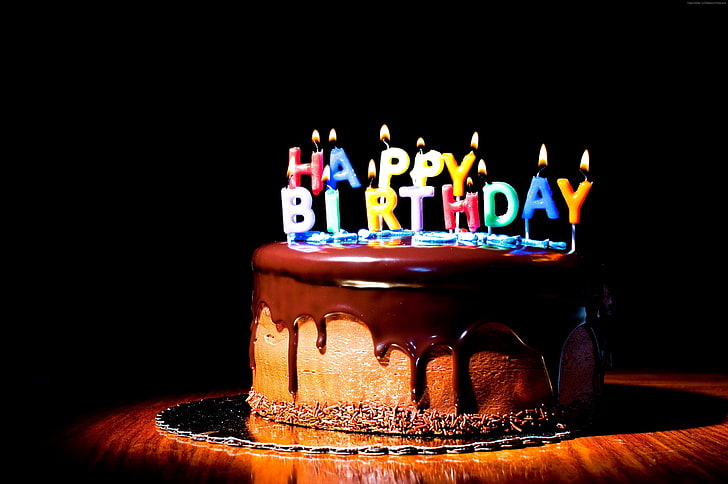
416, 298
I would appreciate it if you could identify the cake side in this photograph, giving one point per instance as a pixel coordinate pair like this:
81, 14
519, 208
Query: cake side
444, 349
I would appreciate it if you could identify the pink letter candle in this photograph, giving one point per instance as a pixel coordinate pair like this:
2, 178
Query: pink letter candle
451, 206
314, 169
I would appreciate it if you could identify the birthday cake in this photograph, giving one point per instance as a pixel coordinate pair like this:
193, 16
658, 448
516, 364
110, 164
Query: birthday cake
422, 333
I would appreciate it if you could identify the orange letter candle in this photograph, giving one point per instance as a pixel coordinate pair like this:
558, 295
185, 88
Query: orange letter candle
574, 200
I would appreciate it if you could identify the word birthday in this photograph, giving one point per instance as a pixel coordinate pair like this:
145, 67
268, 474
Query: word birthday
458, 198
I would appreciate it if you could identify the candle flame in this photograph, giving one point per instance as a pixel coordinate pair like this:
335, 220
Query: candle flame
584, 165
332, 136
474, 141
384, 133
420, 142
326, 174
372, 172
315, 137
542, 157
290, 170
481, 168
469, 182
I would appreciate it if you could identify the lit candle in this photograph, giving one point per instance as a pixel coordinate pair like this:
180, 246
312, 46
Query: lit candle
426, 165
341, 168
458, 173
387, 166
314, 169
490, 190
331, 197
380, 204
451, 207
574, 200
539, 194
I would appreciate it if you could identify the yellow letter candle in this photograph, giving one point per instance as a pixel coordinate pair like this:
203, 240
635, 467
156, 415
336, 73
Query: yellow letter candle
459, 173
380, 206
387, 166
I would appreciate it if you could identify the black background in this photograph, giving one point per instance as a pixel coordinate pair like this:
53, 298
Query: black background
149, 175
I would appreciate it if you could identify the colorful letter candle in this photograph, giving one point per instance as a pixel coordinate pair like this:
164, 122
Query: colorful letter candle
416, 193
341, 168
427, 165
380, 203
450, 207
331, 196
459, 173
575, 200
539, 194
387, 167
297, 213
490, 190
314, 169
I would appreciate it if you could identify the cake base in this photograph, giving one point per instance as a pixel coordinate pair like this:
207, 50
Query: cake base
228, 421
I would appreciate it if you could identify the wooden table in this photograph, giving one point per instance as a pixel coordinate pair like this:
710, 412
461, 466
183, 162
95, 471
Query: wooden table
659, 427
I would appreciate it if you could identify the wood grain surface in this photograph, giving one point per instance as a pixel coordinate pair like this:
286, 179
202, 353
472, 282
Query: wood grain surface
657, 427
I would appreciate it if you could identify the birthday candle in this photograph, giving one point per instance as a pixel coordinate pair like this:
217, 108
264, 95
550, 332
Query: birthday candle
574, 200
387, 167
341, 168
297, 213
426, 165
380, 204
331, 198
458, 173
451, 207
416, 194
490, 190
314, 168
539, 194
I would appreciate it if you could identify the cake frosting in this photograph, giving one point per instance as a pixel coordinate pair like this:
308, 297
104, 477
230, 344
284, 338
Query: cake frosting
389, 336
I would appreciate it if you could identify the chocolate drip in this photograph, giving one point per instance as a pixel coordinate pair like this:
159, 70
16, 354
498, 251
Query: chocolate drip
419, 298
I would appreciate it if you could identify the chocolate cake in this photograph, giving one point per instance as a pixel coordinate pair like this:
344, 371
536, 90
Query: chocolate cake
387, 336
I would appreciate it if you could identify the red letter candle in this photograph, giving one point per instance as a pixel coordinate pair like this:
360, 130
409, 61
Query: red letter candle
315, 169
450, 207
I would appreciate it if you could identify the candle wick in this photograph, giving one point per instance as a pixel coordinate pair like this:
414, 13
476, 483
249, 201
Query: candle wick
316, 145
586, 178
384, 140
540, 170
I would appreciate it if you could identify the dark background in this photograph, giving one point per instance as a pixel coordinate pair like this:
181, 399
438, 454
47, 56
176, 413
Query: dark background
148, 179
